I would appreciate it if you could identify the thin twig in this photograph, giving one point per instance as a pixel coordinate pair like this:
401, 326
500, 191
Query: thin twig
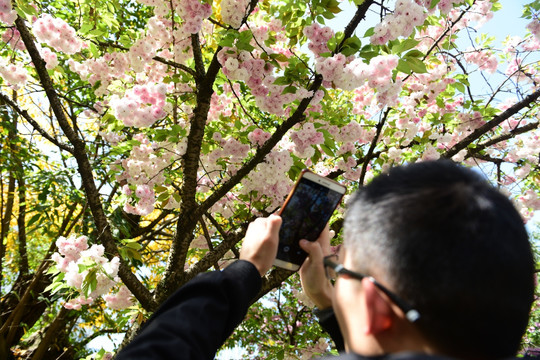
35, 125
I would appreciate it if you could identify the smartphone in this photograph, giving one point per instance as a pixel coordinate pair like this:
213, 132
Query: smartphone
304, 215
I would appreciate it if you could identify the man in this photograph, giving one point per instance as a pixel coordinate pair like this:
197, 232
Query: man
435, 264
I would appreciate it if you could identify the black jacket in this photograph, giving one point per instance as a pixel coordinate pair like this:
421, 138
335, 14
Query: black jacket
197, 319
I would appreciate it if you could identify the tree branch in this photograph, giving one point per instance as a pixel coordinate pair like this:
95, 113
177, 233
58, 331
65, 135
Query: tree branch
189, 215
271, 281
498, 139
488, 158
34, 124
21, 224
443, 35
212, 257
359, 15
197, 56
156, 58
367, 158
492, 124
208, 240
175, 65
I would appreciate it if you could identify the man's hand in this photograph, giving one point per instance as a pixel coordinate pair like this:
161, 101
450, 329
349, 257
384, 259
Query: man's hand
312, 273
261, 242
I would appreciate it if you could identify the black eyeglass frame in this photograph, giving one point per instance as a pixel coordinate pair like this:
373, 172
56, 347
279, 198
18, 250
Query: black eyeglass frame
410, 313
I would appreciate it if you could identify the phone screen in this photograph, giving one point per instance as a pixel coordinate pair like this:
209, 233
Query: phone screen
304, 217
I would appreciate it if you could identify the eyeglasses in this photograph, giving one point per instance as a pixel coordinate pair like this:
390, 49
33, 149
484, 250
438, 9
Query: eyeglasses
334, 269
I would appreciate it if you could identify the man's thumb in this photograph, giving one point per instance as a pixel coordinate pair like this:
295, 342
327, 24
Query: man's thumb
313, 248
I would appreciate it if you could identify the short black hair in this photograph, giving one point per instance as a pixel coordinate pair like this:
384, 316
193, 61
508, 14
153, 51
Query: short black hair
454, 247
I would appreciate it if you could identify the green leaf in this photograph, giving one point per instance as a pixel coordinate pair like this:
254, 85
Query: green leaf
133, 142
282, 81
228, 40
327, 150
85, 28
159, 189
370, 32
163, 196
316, 156
111, 7
110, 21
404, 46
279, 57
414, 54
334, 9
289, 90
90, 282
94, 49
403, 66
34, 218
332, 43
351, 46
26, 8
133, 254
434, 3
416, 65
21, 13
83, 267
96, 85
108, 117
340, 35
244, 40
55, 287
245, 36
459, 86
328, 15
134, 245
52, 270
125, 40
176, 129
161, 135
328, 140
95, 33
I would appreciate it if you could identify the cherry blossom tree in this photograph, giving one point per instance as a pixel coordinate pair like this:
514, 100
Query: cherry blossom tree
169, 125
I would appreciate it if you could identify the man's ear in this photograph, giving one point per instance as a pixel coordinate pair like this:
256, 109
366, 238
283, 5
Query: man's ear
379, 314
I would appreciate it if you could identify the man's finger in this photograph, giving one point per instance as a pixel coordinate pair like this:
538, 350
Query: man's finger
274, 222
313, 249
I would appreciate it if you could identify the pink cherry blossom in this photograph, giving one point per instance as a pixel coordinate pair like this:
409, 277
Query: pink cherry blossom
7, 14
141, 106
401, 22
14, 74
56, 33
120, 300
484, 60
318, 38
233, 12
258, 136
12, 37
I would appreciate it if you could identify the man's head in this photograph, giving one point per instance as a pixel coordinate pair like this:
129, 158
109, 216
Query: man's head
453, 247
